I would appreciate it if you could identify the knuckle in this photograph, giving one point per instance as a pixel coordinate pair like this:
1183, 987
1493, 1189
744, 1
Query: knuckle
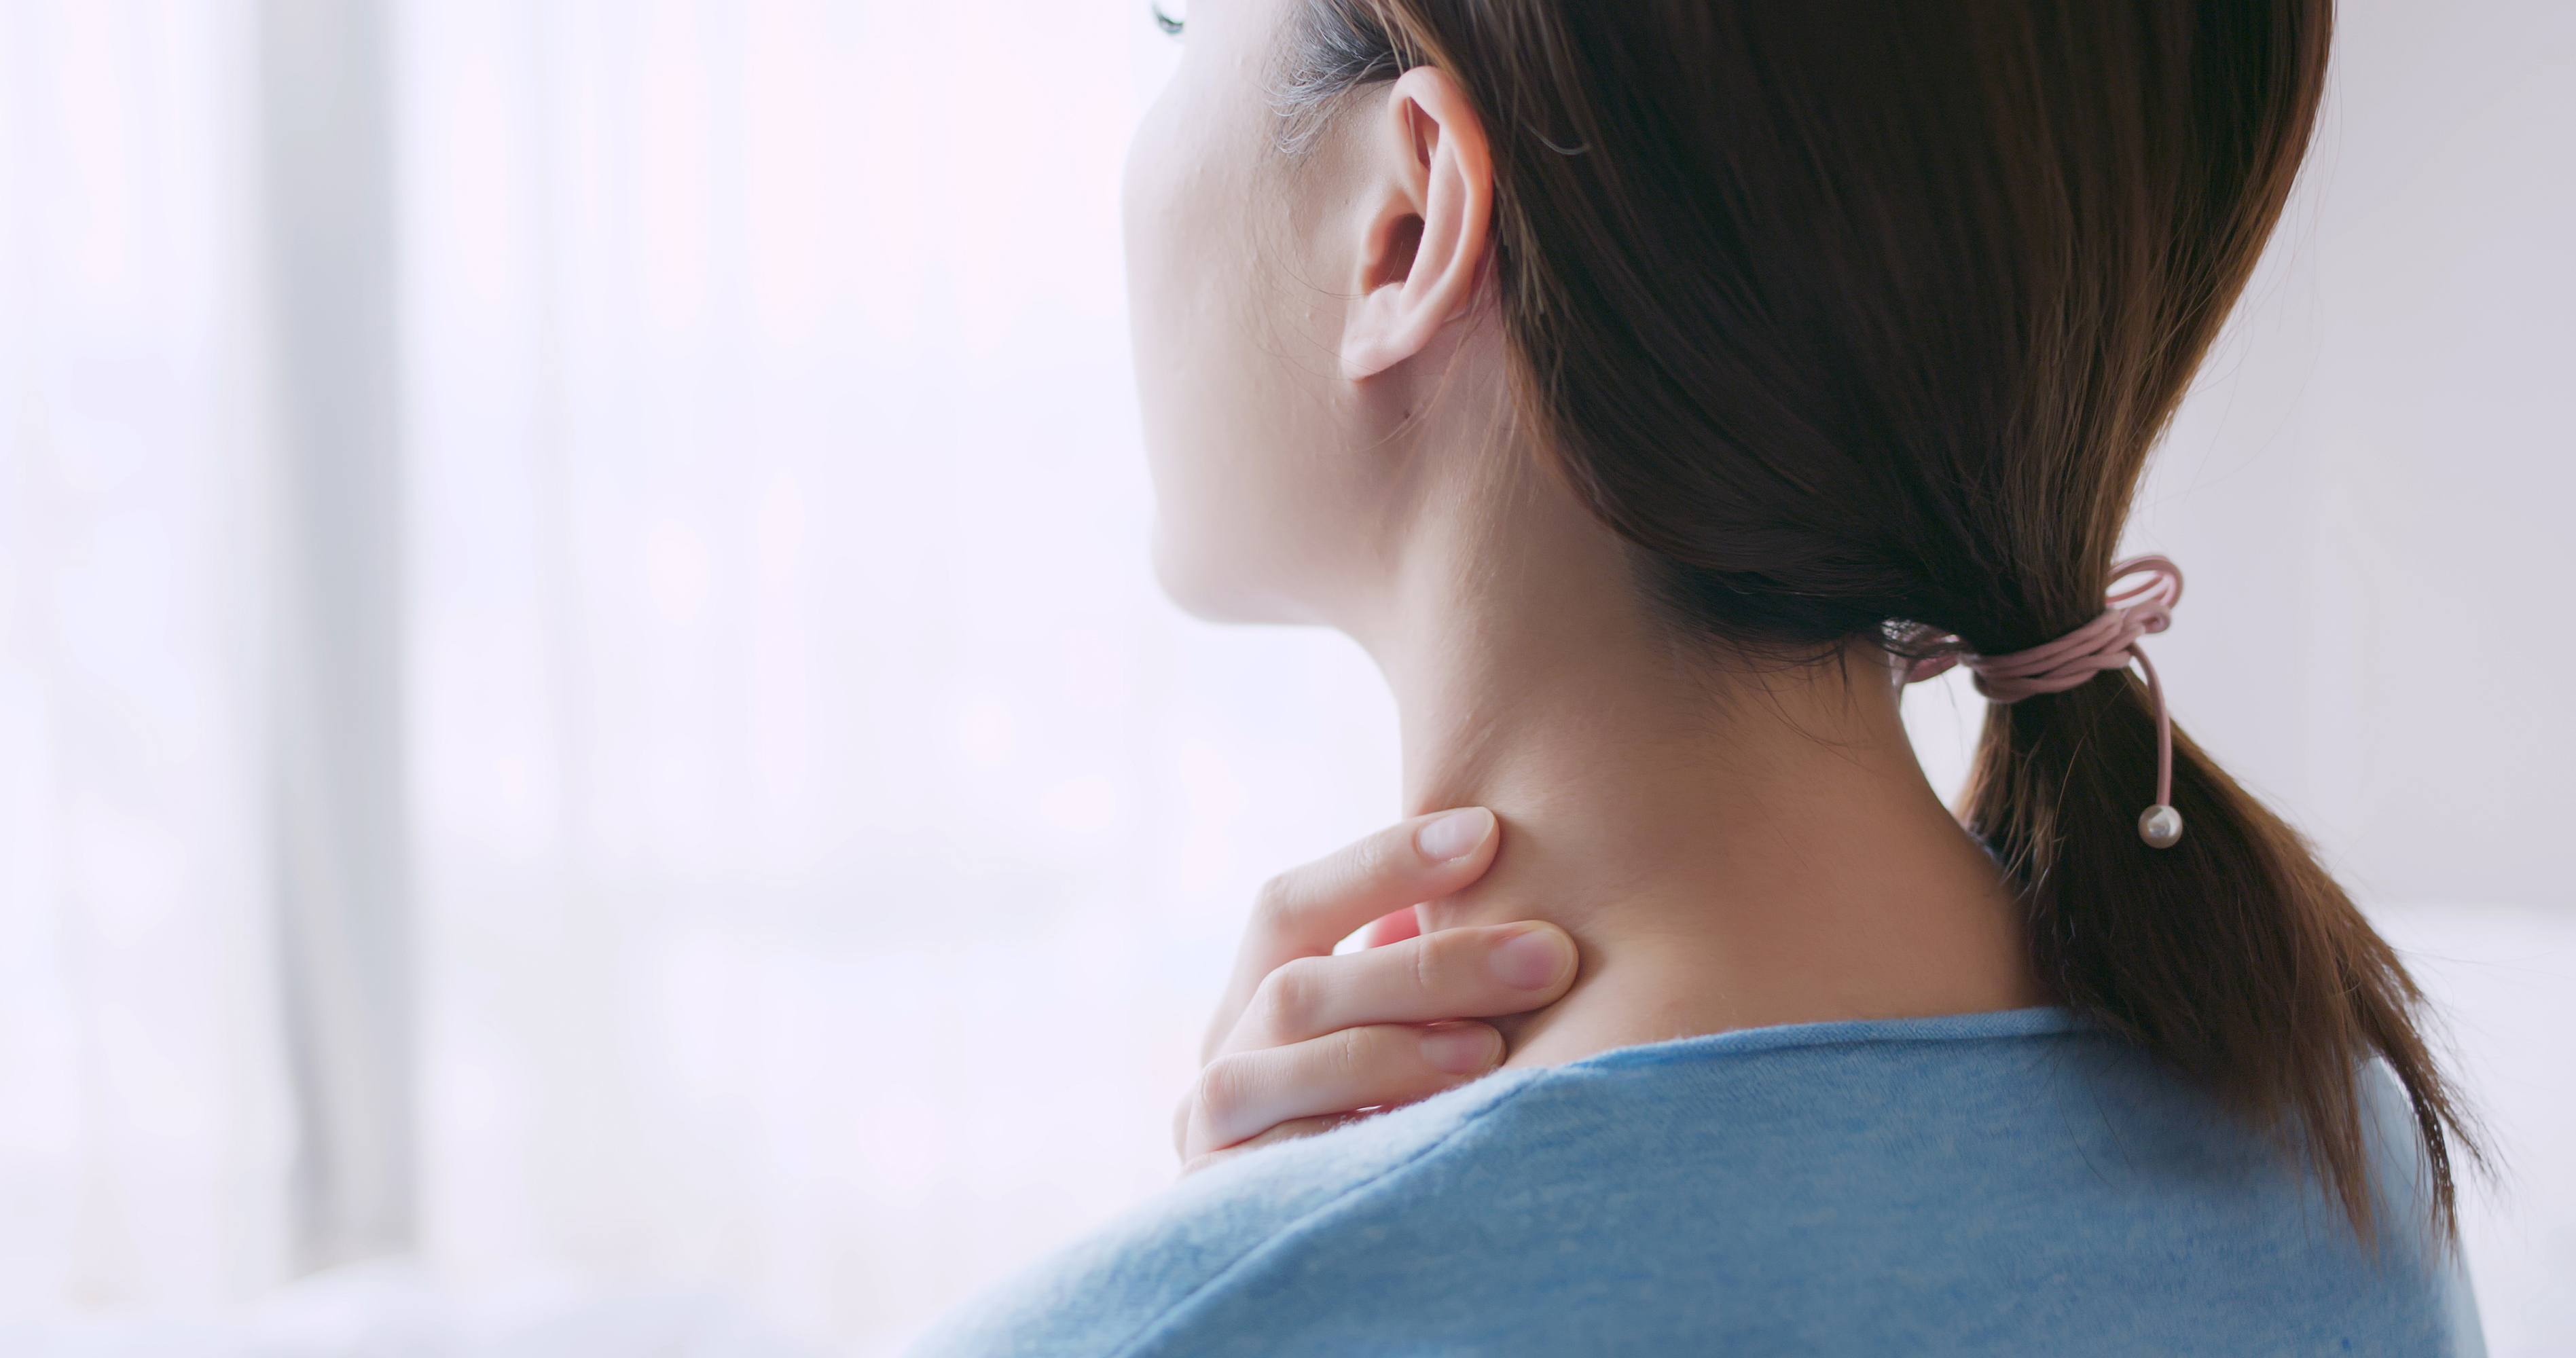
1448, 968
1434, 958
1359, 868
1292, 997
1276, 902
1352, 1055
1224, 1087
1371, 859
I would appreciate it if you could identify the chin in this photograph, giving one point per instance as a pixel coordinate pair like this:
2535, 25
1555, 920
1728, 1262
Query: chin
1202, 580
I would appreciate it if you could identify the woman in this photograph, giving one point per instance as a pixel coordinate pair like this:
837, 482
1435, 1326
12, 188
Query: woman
1653, 389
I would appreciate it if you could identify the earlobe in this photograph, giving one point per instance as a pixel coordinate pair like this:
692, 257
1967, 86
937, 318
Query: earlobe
1425, 228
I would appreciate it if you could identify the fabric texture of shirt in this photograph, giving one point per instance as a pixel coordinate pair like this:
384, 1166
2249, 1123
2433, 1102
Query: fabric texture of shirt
1992, 1184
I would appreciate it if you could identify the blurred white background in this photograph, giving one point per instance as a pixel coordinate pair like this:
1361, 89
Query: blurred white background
789, 845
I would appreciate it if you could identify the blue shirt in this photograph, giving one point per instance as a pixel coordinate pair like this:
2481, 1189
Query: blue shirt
1989, 1184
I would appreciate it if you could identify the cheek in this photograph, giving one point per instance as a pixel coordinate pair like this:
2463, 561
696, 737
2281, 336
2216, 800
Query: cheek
1160, 271
1205, 385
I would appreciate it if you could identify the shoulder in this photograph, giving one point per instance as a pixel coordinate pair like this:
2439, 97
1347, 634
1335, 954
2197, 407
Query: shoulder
1123, 1284
1507, 1170
1956, 1186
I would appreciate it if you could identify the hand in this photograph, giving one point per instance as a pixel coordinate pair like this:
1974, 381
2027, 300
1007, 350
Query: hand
1304, 1040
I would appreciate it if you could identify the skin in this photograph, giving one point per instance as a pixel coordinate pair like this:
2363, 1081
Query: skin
1724, 844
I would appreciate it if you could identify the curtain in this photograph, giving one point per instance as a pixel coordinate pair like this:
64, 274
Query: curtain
144, 1146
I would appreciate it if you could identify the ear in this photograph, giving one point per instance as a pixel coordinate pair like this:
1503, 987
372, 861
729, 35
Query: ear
1426, 209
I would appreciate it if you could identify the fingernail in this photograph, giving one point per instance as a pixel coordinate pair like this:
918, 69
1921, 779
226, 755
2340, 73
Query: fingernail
1454, 836
1461, 1050
1530, 960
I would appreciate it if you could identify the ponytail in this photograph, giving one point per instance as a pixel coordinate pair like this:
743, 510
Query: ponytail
2232, 956
1860, 320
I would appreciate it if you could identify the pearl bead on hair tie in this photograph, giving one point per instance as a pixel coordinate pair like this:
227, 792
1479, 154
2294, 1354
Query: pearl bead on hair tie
2109, 642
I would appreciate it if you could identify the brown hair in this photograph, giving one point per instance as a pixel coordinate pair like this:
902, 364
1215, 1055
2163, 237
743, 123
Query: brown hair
1860, 319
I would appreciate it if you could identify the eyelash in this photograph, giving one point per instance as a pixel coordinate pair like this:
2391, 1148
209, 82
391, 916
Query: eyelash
1171, 27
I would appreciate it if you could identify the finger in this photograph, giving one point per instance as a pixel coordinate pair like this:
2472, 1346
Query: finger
1481, 972
1241, 1095
1304, 911
1292, 1130
1392, 928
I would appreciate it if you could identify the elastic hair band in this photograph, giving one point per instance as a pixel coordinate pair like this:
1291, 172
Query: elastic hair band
2109, 642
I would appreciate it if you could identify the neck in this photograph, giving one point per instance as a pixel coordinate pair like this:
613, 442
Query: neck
1729, 846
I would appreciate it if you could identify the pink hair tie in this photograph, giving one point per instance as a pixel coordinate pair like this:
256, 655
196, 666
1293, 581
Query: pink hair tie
2109, 642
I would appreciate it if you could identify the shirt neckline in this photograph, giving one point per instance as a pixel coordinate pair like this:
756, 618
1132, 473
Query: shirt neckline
2033, 1022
